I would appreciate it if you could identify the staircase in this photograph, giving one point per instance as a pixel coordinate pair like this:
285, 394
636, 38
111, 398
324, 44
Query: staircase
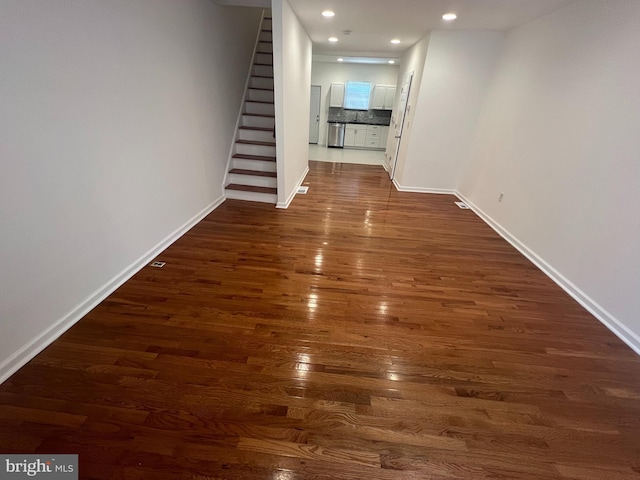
252, 174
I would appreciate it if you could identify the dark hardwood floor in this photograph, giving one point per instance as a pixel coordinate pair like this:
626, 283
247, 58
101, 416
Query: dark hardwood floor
363, 333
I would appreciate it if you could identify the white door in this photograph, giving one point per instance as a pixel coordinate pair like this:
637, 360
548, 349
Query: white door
314, 114
398, 123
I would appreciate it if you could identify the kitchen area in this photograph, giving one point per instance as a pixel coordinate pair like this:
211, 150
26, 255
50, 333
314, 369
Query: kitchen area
349, 127
353, 109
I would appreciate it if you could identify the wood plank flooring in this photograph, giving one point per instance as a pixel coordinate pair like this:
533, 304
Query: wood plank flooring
363, 333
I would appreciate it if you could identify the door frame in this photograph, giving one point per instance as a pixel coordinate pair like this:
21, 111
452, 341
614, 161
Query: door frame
403, 109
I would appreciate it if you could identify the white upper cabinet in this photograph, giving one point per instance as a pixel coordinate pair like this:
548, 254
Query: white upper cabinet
377, 98
389, 97
336, 97
382, 97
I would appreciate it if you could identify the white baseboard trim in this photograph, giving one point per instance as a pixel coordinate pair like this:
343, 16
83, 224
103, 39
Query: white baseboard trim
593, 307
286, 203
404, 188
20, 358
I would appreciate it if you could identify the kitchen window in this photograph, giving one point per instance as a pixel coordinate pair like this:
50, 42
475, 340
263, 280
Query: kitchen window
357, 95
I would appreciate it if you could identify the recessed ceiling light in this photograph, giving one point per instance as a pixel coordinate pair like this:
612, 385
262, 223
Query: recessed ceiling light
341, 59
449, 16
395, 40
328, 13
333, 39
391, 62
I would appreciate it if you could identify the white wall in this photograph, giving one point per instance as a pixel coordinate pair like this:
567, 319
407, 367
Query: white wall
116, 121
412, 61
324, 73
560, 136
458, 68
292, 84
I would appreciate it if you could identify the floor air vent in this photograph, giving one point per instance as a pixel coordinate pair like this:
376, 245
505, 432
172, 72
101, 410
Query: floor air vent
303, 190
462, 205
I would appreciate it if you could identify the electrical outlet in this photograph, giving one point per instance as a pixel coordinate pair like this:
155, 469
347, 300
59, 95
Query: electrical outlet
500, 197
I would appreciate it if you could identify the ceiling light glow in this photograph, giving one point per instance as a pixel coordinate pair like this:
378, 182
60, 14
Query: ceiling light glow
341, 59
391, 62
395, 41
449, 16
328, 13
333, 39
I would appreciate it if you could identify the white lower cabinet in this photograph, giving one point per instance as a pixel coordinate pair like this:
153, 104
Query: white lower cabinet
365, 136
349, 136
355, 135
373, 136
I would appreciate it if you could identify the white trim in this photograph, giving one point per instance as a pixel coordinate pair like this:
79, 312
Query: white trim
440, 191
606, 318
277, 19
295, 191
20, 358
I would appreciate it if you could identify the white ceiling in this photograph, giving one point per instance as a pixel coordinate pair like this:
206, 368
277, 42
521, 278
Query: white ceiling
373, 23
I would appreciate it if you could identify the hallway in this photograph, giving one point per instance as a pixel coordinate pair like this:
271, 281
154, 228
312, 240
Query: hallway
363, 333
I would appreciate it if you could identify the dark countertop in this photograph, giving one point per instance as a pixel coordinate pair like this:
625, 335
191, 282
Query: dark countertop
359, 117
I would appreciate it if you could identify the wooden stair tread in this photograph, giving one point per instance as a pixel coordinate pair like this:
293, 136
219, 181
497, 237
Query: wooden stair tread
263, 158
260, 88
256, 142
255, 173
263, 129
258, 101
252, 188
259, 115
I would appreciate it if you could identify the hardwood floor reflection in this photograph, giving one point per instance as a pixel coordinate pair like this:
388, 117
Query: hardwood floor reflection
363, 333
